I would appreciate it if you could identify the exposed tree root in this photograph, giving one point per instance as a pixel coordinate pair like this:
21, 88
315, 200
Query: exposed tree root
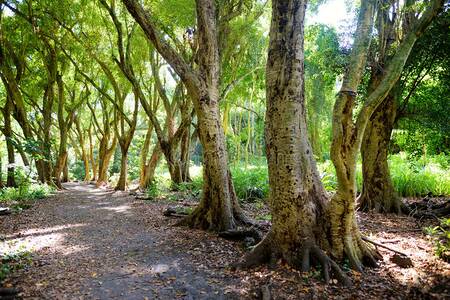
241, 234
267, 251
360, 254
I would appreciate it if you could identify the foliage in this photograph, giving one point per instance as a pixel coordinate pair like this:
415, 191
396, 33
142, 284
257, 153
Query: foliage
11, 262
419, 177
441, 235
154, 189
77, 170
411, 176
25, 193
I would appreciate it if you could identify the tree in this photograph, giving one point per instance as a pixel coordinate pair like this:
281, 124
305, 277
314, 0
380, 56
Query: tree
428, 54
297, 198
218, 209
348, 134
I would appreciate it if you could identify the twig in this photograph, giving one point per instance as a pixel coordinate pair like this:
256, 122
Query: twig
389, 241
383, 246
404, 230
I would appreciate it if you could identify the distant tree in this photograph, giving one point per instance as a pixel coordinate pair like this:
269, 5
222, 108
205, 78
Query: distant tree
427, 58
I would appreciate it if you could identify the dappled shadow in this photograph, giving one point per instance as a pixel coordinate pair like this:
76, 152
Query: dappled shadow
90, 241
101, 244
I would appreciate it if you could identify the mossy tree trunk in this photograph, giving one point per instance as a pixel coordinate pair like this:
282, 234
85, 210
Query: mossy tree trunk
7, 131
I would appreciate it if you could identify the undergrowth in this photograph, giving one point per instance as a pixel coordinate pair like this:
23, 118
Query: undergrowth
411, 176
441, 236
11, 262
19, 198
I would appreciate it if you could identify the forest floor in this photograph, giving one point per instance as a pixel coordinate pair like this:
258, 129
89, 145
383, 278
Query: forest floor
89, 243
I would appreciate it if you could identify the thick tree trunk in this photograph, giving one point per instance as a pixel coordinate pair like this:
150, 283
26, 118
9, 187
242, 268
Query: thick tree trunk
218, 209
65, 176
346, 240
378, 192
297, 198
59, 167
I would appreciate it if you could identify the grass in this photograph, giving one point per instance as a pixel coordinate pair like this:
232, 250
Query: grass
412, 177
418, 177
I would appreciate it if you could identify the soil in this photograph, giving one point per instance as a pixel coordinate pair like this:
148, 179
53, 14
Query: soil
91, 243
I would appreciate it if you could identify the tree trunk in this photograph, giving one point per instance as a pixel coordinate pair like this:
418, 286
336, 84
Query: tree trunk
122, 183
104, 158
297, 199
378, 191
7, 131
218, 209
65, 176
144, 154
92, 157
185, 155
150, 167
84, 153
346, 238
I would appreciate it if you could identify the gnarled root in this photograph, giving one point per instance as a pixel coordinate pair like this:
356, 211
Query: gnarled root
267, 251
197, 219
360, 253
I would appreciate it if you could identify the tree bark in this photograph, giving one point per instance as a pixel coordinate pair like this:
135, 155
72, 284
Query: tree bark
218, 209
378, 192
63, 133
7, 131
150, 167
347, 135
104, 157
297, 198
122, 183
91, 156
65, 176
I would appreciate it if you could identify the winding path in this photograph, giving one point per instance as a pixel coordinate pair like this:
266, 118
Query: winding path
90, 243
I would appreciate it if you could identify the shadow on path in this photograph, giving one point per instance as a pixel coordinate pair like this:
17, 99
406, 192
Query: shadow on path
100, 244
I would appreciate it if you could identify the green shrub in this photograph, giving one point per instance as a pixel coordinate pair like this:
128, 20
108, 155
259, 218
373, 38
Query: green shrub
26, 192
246, 180
411, 176
441, 234
154, 189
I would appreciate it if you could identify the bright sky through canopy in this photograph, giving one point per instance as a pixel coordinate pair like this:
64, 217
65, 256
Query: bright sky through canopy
332, 13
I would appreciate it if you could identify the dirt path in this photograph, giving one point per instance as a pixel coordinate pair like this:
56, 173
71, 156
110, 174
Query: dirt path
88, 243
99, 244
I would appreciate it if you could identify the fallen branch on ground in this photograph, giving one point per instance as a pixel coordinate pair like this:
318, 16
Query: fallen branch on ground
383, 246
